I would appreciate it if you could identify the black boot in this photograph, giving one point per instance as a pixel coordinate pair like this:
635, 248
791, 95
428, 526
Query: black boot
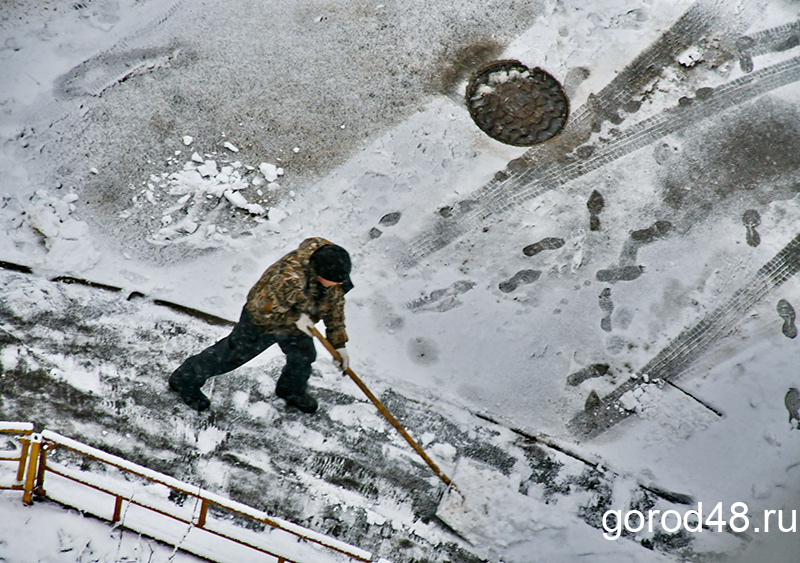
191, 395
303, 401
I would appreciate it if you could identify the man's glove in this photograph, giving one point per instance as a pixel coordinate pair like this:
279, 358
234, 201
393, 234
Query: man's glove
305, 323
345, 363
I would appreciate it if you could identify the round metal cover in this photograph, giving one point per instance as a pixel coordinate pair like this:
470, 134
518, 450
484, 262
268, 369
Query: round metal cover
517, 105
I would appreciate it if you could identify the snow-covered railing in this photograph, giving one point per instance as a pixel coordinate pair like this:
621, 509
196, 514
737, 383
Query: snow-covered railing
162, 507
16, 458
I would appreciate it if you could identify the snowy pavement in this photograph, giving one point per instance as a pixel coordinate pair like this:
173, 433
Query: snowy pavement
344, 472
610, 313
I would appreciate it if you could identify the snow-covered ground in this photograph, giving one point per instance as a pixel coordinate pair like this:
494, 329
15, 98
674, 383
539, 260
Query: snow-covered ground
176, 150
51, 533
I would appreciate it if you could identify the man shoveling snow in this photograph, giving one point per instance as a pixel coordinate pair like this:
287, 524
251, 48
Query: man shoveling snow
303, 287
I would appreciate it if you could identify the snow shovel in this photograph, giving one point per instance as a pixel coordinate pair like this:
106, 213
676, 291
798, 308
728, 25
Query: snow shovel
384, 411
488, 506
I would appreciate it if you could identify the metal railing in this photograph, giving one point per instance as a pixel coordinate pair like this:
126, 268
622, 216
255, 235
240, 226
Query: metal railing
114, 482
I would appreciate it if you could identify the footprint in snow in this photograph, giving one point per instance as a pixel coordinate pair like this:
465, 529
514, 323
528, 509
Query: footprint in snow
388, 220
786, 312
595, 205
656, 231
589, 372
522, 277
441, 300
607, 306
550, 243
792, 402
751, 219
593, 403
624, 273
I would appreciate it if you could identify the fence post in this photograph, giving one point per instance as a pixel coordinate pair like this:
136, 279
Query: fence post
117, 510
201, 521
33, 459
39, 489
23, 457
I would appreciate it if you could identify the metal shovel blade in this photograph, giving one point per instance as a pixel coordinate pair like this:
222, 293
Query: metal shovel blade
485, 507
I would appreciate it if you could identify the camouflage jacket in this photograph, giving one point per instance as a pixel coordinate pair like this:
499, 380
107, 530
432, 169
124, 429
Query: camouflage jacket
289, 288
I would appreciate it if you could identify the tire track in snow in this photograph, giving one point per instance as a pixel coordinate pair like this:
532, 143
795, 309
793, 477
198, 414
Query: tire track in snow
506, 192
523, 180
109, 67
647, 66
773, 40
693, 342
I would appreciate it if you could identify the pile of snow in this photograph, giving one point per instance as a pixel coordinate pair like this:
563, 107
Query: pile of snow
187, 198
500, 77
66, 238
506, 525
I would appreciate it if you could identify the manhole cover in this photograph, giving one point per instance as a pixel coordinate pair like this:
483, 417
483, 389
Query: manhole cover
517, 105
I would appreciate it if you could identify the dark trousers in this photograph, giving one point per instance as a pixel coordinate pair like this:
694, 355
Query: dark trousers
245, 342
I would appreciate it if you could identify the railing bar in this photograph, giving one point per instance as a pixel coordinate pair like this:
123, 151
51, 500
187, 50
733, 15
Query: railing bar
214, 532
121, 468
211, 531
267, 520
113, 494
261, 549
48, 444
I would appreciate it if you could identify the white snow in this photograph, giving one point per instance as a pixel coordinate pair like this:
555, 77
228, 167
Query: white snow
480, 349
9, 426
503, 523
65, 237
67, 536
208, 169
239, 200
270, 171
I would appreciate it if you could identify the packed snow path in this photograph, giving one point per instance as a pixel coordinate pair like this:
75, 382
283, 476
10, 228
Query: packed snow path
344, 471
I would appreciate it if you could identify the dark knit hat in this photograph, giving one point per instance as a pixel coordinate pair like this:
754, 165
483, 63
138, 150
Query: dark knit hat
332, 262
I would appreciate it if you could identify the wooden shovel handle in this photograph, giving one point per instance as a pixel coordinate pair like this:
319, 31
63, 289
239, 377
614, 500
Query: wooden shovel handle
384, 411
